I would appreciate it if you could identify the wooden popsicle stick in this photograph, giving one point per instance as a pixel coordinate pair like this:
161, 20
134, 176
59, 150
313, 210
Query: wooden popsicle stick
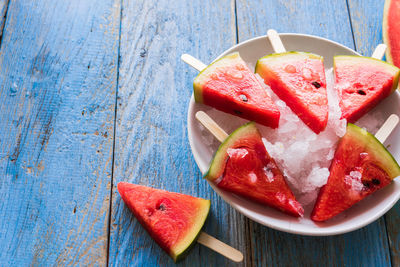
193, 62
387, 128
205, 239
275, 40
220, 247
211, 125
379, 51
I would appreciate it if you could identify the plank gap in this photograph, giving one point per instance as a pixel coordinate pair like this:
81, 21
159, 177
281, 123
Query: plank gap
388, 242
351, 25
114, 135
236, 21
3, 17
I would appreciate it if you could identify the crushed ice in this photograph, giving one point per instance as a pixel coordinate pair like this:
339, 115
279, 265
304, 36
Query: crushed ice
303, 156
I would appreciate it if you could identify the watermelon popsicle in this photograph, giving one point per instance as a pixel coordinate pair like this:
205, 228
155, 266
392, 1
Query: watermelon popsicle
360, 167
230, 86
361, 83
243, 166
298, 78
173, 220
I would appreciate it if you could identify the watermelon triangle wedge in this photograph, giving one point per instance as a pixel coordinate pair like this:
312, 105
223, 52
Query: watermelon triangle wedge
230, 86
243, 166
361, 166
298, 78
361, 83
173, 220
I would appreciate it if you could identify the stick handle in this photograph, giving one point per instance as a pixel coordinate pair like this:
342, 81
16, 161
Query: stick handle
193, 62
276, 41
387, 128
220, 247
379, 51
211, 125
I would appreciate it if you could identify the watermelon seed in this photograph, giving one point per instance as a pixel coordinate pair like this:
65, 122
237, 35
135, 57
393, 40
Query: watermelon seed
361, 92
238, 112
376, 182
161, 207
316, 84
366, 184
243, 98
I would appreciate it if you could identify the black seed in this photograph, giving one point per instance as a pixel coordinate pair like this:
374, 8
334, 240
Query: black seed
238, 112
316, 84
243, 98
376, 182
366, 184
361, 92
161, 207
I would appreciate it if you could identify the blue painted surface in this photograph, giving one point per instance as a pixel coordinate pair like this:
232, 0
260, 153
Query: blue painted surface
59, 82
58, 64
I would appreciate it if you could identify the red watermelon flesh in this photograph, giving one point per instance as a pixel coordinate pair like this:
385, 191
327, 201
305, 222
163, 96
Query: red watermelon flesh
173, 220
243, 166
361, 83
298, 79
391, 31
230, 86
361, 166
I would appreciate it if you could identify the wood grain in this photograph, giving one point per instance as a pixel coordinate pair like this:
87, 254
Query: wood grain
58, 64
322, 18
58, 86
151, 131
367, 18
3, 13
365, 247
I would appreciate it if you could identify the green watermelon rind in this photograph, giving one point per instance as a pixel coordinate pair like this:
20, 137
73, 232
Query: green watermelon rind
395, 71
278, 57
188, 243
203, 75
218, 162
379, 151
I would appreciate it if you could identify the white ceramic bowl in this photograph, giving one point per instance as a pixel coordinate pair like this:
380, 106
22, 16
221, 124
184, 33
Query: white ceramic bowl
203, 148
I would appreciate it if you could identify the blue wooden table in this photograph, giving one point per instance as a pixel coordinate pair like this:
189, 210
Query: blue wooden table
93, 93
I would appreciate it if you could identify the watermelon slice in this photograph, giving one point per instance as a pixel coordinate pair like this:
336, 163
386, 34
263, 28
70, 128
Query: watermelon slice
361, 83
391, 31
173, 220
361, 166
230, 86
298, 79
242, 166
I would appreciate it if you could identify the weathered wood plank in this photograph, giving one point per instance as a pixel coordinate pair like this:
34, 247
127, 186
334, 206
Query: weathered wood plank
366, 17
151, 136
365, 247
3, 12
58, 64
322, 18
